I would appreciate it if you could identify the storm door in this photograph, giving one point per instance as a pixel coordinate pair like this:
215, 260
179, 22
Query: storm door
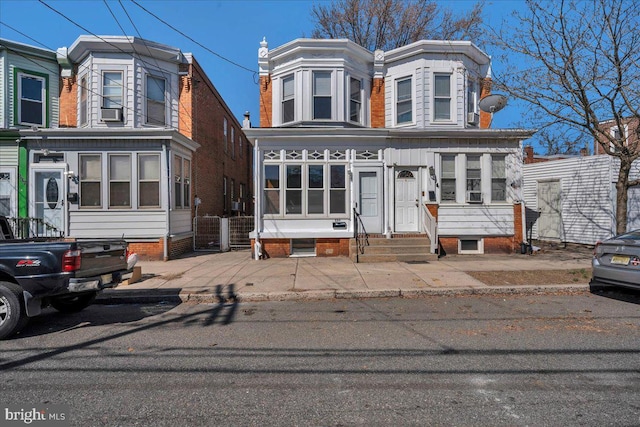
47, 200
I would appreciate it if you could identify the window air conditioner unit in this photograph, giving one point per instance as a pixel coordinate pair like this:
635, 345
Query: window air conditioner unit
474, 196
111, 114
235, 206
473, 118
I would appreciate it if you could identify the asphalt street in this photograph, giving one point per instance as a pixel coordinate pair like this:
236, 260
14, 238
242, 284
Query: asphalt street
472, 360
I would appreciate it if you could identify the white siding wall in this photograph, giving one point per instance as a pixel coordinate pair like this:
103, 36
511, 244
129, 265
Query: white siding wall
4, 102
130, 224
588, 196
454, 220
8, 154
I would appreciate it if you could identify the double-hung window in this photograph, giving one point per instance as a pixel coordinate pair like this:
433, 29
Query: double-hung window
293, 194
32, 95
181, 182
448, 180
288, 99
225, 129
112, 89
119, 181
472, 99
321, 95
315, 191
149, 180
498, 179
90, 180
337, 189
156, 105
84, 100
272, 189
474, 179
233, 142
442, 97
404, 103
355, 100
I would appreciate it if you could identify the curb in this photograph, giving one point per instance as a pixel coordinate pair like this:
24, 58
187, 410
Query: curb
153, 296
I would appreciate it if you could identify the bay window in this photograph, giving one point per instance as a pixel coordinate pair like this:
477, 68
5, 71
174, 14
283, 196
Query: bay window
90, 180
119, 181
498, 179
288, 100
272, 189
355, 100
156, 109
442, 97
112, 89
321, 95
148, 180
404, 103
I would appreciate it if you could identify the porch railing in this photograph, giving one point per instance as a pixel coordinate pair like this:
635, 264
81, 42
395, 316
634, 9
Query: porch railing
430, 226
26, 228
360, 234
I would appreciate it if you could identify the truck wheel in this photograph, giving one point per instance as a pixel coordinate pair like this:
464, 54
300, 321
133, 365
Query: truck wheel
74, 303
12, 313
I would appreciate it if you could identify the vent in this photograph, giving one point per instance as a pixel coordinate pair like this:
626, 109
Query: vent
473, 118
111, 114
474, 197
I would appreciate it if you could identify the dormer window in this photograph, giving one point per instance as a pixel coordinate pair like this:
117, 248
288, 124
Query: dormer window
404, 103
442, 97
288, 100
355, 100
321, 95
156, 111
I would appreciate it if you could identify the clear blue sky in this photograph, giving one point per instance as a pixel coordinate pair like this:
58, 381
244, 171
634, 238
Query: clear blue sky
232, 29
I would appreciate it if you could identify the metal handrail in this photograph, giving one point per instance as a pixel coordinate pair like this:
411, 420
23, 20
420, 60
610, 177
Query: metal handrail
28, 227
430, 226
362, 237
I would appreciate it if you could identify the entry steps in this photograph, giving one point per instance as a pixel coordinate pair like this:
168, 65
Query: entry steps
397, 249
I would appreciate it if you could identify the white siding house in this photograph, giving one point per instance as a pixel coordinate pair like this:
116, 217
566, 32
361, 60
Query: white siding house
392, 139
573, 200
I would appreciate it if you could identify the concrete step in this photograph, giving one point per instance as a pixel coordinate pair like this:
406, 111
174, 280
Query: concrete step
402, 249
402, 241
405, 249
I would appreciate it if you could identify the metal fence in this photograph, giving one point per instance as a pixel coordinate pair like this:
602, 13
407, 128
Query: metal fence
25, 228
208, 235
239, 229
213, 233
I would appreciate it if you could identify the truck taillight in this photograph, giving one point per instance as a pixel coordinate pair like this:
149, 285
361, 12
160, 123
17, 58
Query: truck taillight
71, 260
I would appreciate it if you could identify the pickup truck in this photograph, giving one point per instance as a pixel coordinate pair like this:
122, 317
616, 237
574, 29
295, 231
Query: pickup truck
67, 275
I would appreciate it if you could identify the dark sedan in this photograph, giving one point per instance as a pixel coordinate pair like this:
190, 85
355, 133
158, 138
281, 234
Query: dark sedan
616, 261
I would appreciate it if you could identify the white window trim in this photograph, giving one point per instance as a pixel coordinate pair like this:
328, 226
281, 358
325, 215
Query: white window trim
283, 99
184, 161
304, 163
87, 102
123, 86
455, 174
19, 76
130, 181
413, 101
452, 96
480, 249
625, 135
139, 180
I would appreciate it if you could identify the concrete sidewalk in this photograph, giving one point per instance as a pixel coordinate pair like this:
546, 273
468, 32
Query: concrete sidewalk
205, 277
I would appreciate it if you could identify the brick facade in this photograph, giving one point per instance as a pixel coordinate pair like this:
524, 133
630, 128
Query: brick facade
202, 115
485, 118
266, 99
68, 102
377, 103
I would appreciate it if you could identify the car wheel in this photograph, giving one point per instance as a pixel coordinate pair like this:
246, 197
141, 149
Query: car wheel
12, 313
74, 303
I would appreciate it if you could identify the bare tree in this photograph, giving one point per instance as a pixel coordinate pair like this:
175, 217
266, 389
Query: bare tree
578, 66
387, 24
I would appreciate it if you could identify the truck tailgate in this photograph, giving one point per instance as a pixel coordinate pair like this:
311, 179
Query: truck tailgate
100, 257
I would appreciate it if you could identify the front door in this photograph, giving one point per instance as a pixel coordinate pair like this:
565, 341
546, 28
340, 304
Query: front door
47, 199
550, 210
369, 202
407, 201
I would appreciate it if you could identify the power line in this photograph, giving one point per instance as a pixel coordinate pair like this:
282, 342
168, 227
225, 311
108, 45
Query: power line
191, 39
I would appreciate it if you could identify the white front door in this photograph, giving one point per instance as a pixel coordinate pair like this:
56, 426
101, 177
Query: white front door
549, 210
407, 201
369, 202
47, 197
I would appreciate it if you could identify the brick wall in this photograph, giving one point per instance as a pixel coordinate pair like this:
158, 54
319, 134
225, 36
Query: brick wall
332, 247
180, 246
492, 245
148, 251
517, 224
202, 119
377, 103
266, 98
68, 102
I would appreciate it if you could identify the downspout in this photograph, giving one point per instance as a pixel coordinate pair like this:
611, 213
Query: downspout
165, 245
257, 195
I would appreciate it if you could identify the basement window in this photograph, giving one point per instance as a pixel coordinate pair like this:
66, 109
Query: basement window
303, 247
470, 246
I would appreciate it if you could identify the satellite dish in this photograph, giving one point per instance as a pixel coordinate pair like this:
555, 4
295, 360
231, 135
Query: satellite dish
493, 103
